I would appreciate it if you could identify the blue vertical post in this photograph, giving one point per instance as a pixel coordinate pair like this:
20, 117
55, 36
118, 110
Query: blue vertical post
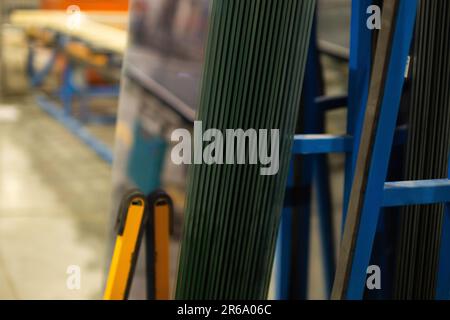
284, 248
38, 76
314, 172
314, 124
358, 87
146, 159
30, 63
383, 142
303, 209
288, 286
443, 284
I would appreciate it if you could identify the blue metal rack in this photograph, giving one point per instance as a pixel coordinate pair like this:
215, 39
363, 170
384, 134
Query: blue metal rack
66, 93
379, 194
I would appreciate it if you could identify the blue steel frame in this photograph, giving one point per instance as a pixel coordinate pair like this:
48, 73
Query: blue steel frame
443, 284
315, 145
76, 128
314, 174
360, 66
284, 247
67, 91
383, 142
380, 193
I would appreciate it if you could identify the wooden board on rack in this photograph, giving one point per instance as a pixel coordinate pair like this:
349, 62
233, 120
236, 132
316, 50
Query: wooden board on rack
100, 30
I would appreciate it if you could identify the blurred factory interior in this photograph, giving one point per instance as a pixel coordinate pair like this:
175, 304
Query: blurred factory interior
91, 91
58, 111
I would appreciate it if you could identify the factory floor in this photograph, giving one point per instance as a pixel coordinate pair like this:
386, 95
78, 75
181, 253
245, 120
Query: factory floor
54, 204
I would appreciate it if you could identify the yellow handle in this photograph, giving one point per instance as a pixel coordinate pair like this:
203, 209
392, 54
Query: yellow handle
126, 250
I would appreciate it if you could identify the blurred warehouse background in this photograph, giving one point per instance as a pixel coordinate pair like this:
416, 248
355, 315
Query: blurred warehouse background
65, 68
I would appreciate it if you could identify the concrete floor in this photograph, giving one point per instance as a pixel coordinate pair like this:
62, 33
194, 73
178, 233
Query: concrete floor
54, 204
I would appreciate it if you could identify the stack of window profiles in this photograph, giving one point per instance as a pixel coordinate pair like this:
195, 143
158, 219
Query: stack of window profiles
427, 151
253, 74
